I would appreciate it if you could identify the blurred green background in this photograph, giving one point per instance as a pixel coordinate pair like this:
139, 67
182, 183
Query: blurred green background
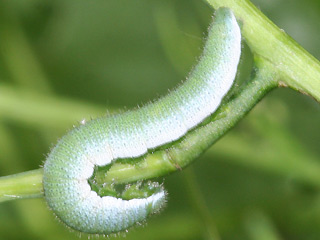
65, 60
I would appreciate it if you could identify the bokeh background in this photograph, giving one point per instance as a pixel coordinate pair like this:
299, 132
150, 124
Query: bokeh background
65, 60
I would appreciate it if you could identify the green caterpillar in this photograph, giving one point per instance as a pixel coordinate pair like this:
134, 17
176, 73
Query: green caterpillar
131, 134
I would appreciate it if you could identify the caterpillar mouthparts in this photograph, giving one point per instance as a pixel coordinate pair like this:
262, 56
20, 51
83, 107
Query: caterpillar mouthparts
131, 134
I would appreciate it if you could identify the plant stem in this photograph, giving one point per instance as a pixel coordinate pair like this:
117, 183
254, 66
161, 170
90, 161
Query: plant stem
280, 61
21, 185
299, 69
168, 158
182, 152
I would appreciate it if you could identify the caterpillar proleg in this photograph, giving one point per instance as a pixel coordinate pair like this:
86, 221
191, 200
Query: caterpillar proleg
131, 134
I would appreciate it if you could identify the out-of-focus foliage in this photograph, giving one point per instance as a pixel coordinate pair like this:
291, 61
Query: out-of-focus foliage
64, 60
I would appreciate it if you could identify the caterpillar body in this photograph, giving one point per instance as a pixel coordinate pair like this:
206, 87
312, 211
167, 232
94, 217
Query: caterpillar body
131, 134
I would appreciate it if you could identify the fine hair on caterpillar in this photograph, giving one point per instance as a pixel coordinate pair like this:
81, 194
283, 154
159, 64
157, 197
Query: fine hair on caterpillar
131, 134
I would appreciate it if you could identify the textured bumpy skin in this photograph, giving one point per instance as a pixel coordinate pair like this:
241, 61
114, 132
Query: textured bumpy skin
131, 134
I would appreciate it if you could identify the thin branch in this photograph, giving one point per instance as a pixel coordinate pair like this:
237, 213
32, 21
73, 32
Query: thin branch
299, 69
164, 160
280, 61
21, 186
181, 153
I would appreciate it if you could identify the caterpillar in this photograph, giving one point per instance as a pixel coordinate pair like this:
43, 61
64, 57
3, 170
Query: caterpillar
131, 134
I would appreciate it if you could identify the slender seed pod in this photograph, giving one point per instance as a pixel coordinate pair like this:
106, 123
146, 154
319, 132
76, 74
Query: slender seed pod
131, 134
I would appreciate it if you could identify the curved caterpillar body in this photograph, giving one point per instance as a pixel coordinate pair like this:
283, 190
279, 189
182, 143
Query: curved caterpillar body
131, 134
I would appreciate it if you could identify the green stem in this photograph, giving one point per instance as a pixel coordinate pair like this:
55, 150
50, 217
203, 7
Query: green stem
164, 160
281, 62
21, 185
299, 69
181, 153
